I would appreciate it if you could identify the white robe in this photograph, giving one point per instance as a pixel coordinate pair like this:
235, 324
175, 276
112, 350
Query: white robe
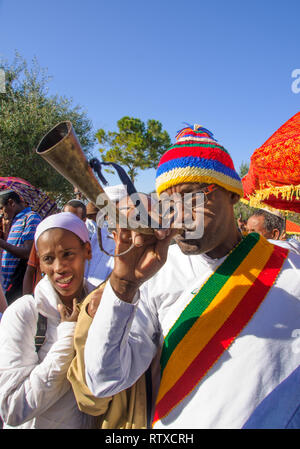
128, 336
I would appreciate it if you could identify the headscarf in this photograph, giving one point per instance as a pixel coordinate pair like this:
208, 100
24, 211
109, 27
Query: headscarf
63, 220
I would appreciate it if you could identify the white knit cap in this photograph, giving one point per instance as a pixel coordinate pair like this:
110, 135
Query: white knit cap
63, 220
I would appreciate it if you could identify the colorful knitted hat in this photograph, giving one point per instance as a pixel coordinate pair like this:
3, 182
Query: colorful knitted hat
197, 157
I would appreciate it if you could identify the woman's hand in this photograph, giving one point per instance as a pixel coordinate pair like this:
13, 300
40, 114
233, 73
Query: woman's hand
66, 314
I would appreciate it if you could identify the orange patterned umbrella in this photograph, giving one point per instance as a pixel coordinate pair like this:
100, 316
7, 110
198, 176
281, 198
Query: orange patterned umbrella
274, 173
292, 228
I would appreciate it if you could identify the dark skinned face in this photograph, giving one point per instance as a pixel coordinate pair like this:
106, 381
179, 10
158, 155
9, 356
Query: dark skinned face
9, 210
220, 232
62, 258
74, 210
256, 223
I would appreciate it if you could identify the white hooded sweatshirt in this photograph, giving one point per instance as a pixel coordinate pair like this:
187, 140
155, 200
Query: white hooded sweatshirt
34, 390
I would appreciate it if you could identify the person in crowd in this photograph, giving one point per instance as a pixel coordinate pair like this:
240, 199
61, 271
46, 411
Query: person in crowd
2, 235
269, 224
242, 224
91, 217
218, 311
124, 410
99, 267
4, 230
34, 390
77, 193
4, 227
77, 207
33, 272
17, 246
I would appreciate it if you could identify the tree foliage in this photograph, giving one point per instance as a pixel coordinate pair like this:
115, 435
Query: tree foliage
27, 113
242, 210
135, 145
244, 168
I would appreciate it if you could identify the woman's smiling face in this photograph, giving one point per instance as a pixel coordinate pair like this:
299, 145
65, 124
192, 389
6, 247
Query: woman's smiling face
62, 257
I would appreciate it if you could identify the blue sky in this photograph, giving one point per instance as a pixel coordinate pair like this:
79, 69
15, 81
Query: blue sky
224, 64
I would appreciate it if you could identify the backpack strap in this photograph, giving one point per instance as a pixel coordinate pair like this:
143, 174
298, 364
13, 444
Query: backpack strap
41, 329
149, 398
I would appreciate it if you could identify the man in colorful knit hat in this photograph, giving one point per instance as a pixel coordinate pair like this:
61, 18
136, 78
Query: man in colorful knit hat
218, 322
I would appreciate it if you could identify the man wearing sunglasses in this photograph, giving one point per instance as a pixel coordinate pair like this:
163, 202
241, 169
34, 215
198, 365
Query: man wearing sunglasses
216, 315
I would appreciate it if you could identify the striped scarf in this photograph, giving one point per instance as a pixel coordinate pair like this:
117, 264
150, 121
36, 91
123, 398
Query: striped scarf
214, 317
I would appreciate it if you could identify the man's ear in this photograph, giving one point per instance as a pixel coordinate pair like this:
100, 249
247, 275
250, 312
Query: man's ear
275, 234
234, 198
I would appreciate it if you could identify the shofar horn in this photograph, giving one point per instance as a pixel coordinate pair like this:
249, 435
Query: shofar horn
61, 149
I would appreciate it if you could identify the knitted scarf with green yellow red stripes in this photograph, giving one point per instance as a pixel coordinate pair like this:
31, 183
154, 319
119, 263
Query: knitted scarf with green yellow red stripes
214, 317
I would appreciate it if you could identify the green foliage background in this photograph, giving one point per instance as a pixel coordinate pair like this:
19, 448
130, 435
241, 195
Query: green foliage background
135, 145
27, 113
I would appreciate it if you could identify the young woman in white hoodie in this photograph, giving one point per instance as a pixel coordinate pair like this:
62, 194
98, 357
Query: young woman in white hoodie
34, 390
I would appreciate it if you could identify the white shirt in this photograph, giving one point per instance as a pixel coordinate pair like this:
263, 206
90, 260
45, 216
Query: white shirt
291, 244
128, 336
100, 266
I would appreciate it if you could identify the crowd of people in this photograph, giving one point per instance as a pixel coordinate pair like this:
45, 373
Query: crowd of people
173, 331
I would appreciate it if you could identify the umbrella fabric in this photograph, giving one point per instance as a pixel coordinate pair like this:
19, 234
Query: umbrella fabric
274, 172
35, 198
292, 228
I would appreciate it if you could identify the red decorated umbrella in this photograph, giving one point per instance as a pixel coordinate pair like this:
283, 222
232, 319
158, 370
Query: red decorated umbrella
33, 197
273, 178
292, 228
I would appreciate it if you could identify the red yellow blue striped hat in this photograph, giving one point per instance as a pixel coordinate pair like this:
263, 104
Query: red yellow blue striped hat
197, 157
